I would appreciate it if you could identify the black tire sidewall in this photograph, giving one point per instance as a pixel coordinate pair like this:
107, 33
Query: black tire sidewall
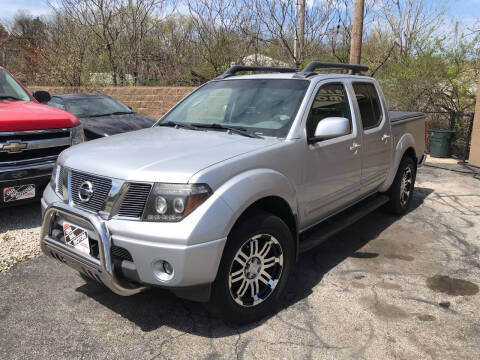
394, 192
254, 223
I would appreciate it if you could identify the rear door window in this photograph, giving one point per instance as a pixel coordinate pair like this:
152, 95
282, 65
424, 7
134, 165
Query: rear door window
369, 104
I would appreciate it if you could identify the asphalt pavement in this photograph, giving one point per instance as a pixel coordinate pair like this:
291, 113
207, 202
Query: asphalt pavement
384, 288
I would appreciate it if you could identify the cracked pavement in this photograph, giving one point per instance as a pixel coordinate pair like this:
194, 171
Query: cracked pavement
384, 288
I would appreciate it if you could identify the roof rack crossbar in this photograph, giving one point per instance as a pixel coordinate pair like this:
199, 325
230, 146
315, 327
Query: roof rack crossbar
237, 68
309, 70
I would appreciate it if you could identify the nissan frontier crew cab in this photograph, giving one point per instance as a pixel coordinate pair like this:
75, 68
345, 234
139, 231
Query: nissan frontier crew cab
217, 200
32, 135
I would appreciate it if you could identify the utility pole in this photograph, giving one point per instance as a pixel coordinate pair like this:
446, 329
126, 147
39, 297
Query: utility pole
357, 32
302, 29
295, 40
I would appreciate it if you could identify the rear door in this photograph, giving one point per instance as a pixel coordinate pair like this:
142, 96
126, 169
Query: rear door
377, 142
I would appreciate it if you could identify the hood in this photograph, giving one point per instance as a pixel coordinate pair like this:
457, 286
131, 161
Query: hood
30, 115
158, 154
116, 124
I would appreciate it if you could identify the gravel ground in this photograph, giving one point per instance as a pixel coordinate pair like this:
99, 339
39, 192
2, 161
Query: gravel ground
19, 234
384, 288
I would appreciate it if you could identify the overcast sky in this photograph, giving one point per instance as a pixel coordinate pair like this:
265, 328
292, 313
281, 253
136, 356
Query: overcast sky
466, 11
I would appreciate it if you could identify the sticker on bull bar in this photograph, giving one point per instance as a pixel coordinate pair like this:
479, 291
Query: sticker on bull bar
76, 237
20, 192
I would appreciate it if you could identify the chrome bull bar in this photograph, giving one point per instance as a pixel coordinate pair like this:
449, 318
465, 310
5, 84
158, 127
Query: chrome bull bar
102, 269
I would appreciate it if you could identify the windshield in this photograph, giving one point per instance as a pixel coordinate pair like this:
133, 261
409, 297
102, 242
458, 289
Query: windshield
95, 106
10, 89
261, 106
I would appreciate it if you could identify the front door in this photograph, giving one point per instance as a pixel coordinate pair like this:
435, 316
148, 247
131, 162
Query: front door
333, 166
377, 143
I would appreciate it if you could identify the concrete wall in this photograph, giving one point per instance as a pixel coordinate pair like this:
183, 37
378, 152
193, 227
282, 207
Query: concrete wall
474, 158
152, 101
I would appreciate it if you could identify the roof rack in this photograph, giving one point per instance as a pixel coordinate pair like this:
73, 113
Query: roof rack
237, 68
309, 70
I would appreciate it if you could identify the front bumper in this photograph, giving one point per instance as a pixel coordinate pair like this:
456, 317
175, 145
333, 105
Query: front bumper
38, 174
194, 263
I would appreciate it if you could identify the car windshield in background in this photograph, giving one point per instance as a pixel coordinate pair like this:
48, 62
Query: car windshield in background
265, 107
10, 89
95, 106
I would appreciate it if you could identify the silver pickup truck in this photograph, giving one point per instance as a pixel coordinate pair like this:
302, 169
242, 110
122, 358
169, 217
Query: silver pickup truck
218, 199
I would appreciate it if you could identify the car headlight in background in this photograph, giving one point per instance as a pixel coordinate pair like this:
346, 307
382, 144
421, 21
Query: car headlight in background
53, 179
172, 202
78, 135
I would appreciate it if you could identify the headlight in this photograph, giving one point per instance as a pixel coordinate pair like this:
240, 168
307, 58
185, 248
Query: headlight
53, 179
77, 135
172, 202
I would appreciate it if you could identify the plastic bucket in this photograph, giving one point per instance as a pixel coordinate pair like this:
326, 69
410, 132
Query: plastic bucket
440, 143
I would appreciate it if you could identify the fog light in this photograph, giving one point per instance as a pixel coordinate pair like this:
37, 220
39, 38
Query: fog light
167, 267
163, 270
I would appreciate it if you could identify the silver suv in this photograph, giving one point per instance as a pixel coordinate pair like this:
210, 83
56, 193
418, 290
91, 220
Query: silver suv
211, 202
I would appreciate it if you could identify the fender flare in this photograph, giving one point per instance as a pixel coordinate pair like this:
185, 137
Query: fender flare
244, 189
406, 142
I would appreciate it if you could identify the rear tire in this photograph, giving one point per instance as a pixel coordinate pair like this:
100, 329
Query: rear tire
401, 191
255, 268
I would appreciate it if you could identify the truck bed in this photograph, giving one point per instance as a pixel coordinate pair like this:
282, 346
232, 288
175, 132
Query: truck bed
409, 122
400, 116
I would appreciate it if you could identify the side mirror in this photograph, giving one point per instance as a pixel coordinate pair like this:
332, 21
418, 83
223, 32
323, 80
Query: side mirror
42, 96
331, 127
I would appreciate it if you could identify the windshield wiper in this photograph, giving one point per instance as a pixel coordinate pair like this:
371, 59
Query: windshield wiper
107, 114
236, 130
9, 98
178, 125
121, 113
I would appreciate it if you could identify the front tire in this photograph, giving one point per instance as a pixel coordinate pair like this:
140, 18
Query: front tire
255, 268
401, 191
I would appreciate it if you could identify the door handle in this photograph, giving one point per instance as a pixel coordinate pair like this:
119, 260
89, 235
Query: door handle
385, 138
354, 147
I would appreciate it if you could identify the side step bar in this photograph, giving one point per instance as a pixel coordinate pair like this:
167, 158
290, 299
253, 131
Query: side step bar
318, 234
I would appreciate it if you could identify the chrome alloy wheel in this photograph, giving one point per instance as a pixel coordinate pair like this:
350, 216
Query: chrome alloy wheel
256, 270
406, 186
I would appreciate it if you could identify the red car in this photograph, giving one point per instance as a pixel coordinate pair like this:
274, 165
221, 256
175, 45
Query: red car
32, 135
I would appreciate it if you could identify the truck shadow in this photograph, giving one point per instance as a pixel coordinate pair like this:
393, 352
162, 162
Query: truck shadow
156, 308
19, 217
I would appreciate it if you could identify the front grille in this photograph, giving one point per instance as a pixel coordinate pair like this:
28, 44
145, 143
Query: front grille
39, 140
101, 188
120, 253
135, 200
35, 135
33, 155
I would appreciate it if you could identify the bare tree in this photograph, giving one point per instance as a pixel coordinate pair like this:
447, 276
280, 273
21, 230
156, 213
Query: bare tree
276, 21
3, 44
70, 52
102, 18
410, 21
138, 19
29, 35
218, 36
